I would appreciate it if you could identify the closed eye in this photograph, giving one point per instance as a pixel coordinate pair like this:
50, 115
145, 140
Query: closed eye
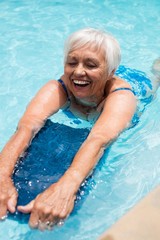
91, 65
72, 64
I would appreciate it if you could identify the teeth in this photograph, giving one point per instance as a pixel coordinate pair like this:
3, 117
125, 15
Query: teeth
80, 82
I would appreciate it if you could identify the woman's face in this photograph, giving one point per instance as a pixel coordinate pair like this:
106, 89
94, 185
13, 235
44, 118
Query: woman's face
86, 72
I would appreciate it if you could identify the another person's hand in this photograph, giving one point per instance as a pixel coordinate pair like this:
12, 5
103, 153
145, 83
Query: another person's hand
51, 207
8, 196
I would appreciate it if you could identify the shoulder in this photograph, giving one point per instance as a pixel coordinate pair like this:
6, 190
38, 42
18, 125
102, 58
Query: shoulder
120, 95
50, 92
52, 87
118, 83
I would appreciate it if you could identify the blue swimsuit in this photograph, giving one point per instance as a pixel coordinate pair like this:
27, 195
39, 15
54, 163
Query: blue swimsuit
67, 108
64, 87
115, 90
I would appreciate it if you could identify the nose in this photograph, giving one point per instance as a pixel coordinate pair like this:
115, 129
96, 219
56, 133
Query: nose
79, 70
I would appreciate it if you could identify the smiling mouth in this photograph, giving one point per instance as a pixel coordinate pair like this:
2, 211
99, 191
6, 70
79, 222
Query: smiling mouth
81, 83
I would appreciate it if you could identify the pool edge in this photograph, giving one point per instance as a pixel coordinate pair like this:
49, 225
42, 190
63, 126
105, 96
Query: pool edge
140, 223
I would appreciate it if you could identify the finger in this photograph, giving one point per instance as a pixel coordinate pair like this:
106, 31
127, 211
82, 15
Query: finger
3, 211
48, 224
34, 220
44, 225
12, 203
27, 208
60, 222
44, 219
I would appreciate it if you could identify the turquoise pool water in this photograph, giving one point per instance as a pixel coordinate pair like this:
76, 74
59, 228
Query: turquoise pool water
31, 50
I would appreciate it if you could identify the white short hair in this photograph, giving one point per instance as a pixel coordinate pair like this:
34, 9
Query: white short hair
100, 40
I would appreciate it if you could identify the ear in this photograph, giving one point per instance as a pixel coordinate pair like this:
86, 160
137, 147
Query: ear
111, 74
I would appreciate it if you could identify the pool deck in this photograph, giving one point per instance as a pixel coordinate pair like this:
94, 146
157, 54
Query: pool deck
142, 222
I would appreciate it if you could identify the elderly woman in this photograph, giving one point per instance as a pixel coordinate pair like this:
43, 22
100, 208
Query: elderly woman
90, 90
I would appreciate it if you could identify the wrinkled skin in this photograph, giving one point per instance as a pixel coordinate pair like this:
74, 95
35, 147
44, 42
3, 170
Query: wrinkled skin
115, 109
8, 196
52, 206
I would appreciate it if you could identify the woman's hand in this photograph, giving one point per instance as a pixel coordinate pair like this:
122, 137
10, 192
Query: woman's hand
50, 207
8, 196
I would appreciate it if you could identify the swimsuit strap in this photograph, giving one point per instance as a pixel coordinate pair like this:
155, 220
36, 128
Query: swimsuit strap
115, 90
64, 87
124, 88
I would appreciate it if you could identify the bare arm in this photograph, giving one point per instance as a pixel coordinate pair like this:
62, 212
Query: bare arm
117, 113
46, 102
57, 201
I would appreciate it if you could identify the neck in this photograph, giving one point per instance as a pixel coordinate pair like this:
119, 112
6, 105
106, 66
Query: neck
86, 102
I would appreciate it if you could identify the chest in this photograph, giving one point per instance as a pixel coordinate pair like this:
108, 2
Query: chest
87, 113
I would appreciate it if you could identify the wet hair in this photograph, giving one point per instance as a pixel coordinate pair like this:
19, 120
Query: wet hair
98, 39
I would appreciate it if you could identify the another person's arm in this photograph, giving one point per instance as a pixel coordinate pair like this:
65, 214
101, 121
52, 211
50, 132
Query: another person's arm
57, 201
47, 101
